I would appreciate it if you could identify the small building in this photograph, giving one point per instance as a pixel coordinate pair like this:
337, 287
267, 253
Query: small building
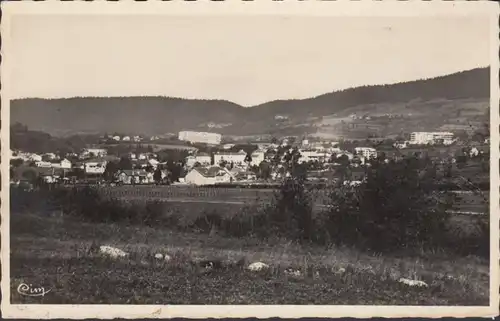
43, 164
135, 176
126, 138
208, 176
94, 152
258, 157
95, 166
35, 158
367, 152
62, 164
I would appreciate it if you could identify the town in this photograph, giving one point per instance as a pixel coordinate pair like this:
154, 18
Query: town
201, 159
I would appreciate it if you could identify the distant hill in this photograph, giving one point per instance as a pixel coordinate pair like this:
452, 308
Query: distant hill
467, 90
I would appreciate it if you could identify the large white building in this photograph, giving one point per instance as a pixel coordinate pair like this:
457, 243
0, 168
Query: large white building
367, 152
424, 138
200, 137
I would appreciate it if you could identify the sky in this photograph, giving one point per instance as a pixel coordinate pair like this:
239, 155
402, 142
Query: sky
248, 60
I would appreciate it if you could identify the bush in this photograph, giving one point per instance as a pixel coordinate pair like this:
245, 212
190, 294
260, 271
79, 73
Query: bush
396, 207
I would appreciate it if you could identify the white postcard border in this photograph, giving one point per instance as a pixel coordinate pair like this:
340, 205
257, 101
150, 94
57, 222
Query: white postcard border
310, 8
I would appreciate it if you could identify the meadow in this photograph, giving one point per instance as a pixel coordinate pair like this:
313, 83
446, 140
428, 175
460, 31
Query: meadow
58, 252
56, 244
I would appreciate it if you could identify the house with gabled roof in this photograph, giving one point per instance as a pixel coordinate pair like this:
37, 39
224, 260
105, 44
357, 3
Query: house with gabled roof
209, 175
134, 176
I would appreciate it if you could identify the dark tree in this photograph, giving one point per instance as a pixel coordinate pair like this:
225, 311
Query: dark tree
157, 176
16, 162
264, 170
110, 171
125, 163
29, 175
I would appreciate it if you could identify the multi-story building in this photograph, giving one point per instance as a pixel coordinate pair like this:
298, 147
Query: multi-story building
202, 158
367, 152
200, 137
425, 138
237, 158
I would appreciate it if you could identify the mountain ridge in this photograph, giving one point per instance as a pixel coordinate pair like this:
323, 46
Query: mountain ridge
153, 115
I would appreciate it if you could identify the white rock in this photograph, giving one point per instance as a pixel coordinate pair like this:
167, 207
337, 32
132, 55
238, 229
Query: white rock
292, 272
112, 251
413, 282
159, 256
167, 257
341, 270
258, 266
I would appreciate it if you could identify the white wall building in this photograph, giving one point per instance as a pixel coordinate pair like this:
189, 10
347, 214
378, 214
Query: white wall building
208, 176
95, 167
202, 158
62, 164
424, 138
35, 158
95, 152
257, 157
367, 152
312, 155
200, 137
43, 164
236, 158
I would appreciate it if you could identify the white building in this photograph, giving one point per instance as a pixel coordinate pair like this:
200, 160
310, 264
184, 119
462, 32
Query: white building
126, 138
43, 164
200, 137
208, 176
367, 152
35, 158
117, 138
257, 157
425, 138
95, 152
62, 164
202, 158
95, 167
312, 155
236, 158
50, 156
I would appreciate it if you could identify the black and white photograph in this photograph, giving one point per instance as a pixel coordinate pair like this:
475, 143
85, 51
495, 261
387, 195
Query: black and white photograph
238, 159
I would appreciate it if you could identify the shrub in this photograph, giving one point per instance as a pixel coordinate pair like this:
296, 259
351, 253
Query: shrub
396, 207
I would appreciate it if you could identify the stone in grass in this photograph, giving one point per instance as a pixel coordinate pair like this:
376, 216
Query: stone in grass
292, 272
165, 257
112, 251
258, 266
413, 283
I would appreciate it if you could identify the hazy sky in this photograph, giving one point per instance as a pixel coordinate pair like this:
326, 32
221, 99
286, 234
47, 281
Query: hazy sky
247, 60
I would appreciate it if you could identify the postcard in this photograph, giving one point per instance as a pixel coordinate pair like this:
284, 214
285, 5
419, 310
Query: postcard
205, 159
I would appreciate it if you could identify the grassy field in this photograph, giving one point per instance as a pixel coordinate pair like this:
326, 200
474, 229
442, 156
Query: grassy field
56, 252
468, 202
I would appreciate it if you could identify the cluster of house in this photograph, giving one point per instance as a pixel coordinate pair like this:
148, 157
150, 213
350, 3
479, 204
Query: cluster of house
93, 162
125, 138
